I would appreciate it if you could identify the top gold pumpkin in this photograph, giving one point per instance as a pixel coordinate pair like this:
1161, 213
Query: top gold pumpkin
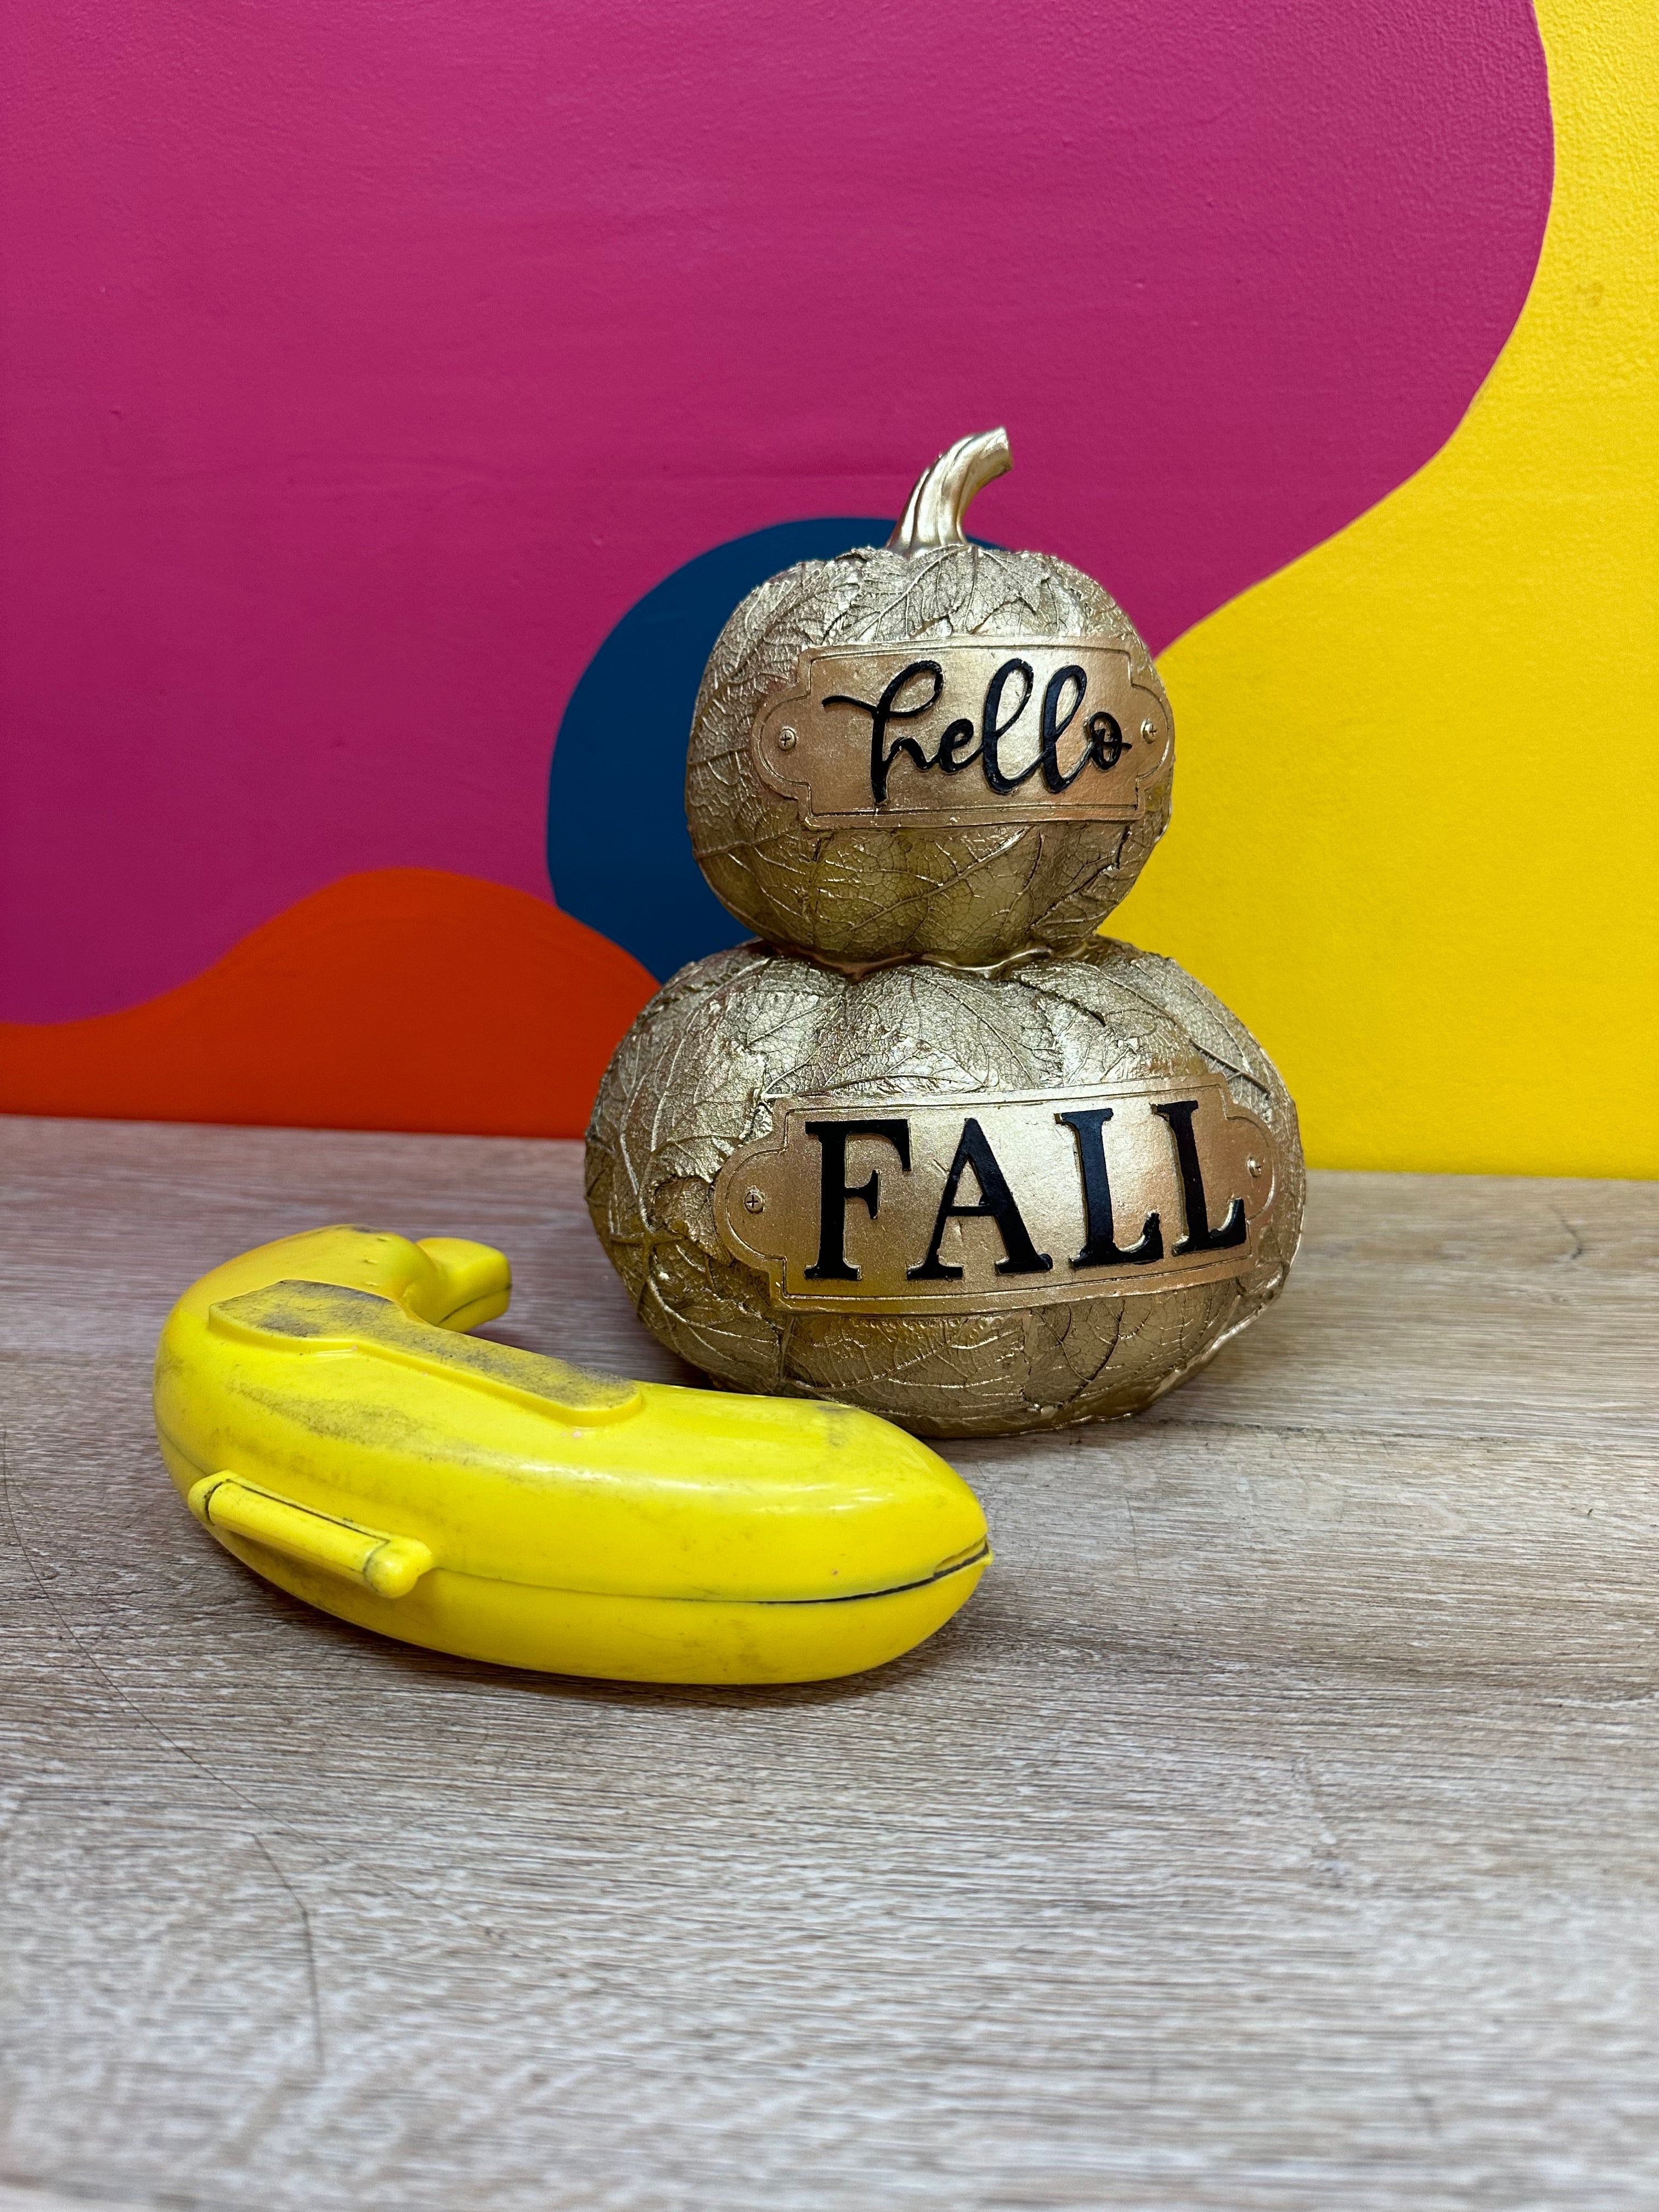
929, 750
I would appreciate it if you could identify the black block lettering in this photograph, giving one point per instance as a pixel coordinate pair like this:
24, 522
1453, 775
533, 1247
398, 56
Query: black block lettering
1200, 1236
1100, 1245
996, 1202
832, 1265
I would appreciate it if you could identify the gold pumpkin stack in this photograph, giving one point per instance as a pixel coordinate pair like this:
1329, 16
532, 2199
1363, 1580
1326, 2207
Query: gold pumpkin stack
935, 1146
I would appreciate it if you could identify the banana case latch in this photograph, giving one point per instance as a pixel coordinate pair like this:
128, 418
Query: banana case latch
389, 1566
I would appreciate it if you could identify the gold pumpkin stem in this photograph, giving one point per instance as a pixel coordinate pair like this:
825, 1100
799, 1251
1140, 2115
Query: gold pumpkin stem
933, 518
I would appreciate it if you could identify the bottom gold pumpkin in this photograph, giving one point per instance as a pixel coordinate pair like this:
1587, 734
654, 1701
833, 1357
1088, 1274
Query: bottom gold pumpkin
975, 1204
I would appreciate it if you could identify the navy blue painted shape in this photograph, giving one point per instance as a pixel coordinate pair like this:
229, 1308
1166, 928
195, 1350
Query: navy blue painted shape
618, 851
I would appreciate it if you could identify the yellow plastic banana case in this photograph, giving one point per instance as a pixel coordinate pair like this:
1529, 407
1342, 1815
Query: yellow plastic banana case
325, 1415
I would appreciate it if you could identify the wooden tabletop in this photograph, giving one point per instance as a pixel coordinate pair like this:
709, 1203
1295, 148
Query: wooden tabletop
1275, 1829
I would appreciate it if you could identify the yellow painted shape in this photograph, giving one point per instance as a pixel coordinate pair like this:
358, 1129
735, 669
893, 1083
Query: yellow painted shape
1417, 824
320, 1409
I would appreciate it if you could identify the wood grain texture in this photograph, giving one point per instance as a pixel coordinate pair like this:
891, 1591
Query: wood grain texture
1274, 1830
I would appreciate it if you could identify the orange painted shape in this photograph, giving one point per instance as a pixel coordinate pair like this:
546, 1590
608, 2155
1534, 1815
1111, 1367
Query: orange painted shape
400, 998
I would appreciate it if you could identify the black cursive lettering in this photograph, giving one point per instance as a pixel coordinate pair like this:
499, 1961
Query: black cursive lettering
993, 729
1053, 729
953, 756
887, 709
1107, 743
1007, 695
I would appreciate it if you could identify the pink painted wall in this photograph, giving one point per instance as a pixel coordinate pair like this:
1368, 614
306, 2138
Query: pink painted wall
364, 362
